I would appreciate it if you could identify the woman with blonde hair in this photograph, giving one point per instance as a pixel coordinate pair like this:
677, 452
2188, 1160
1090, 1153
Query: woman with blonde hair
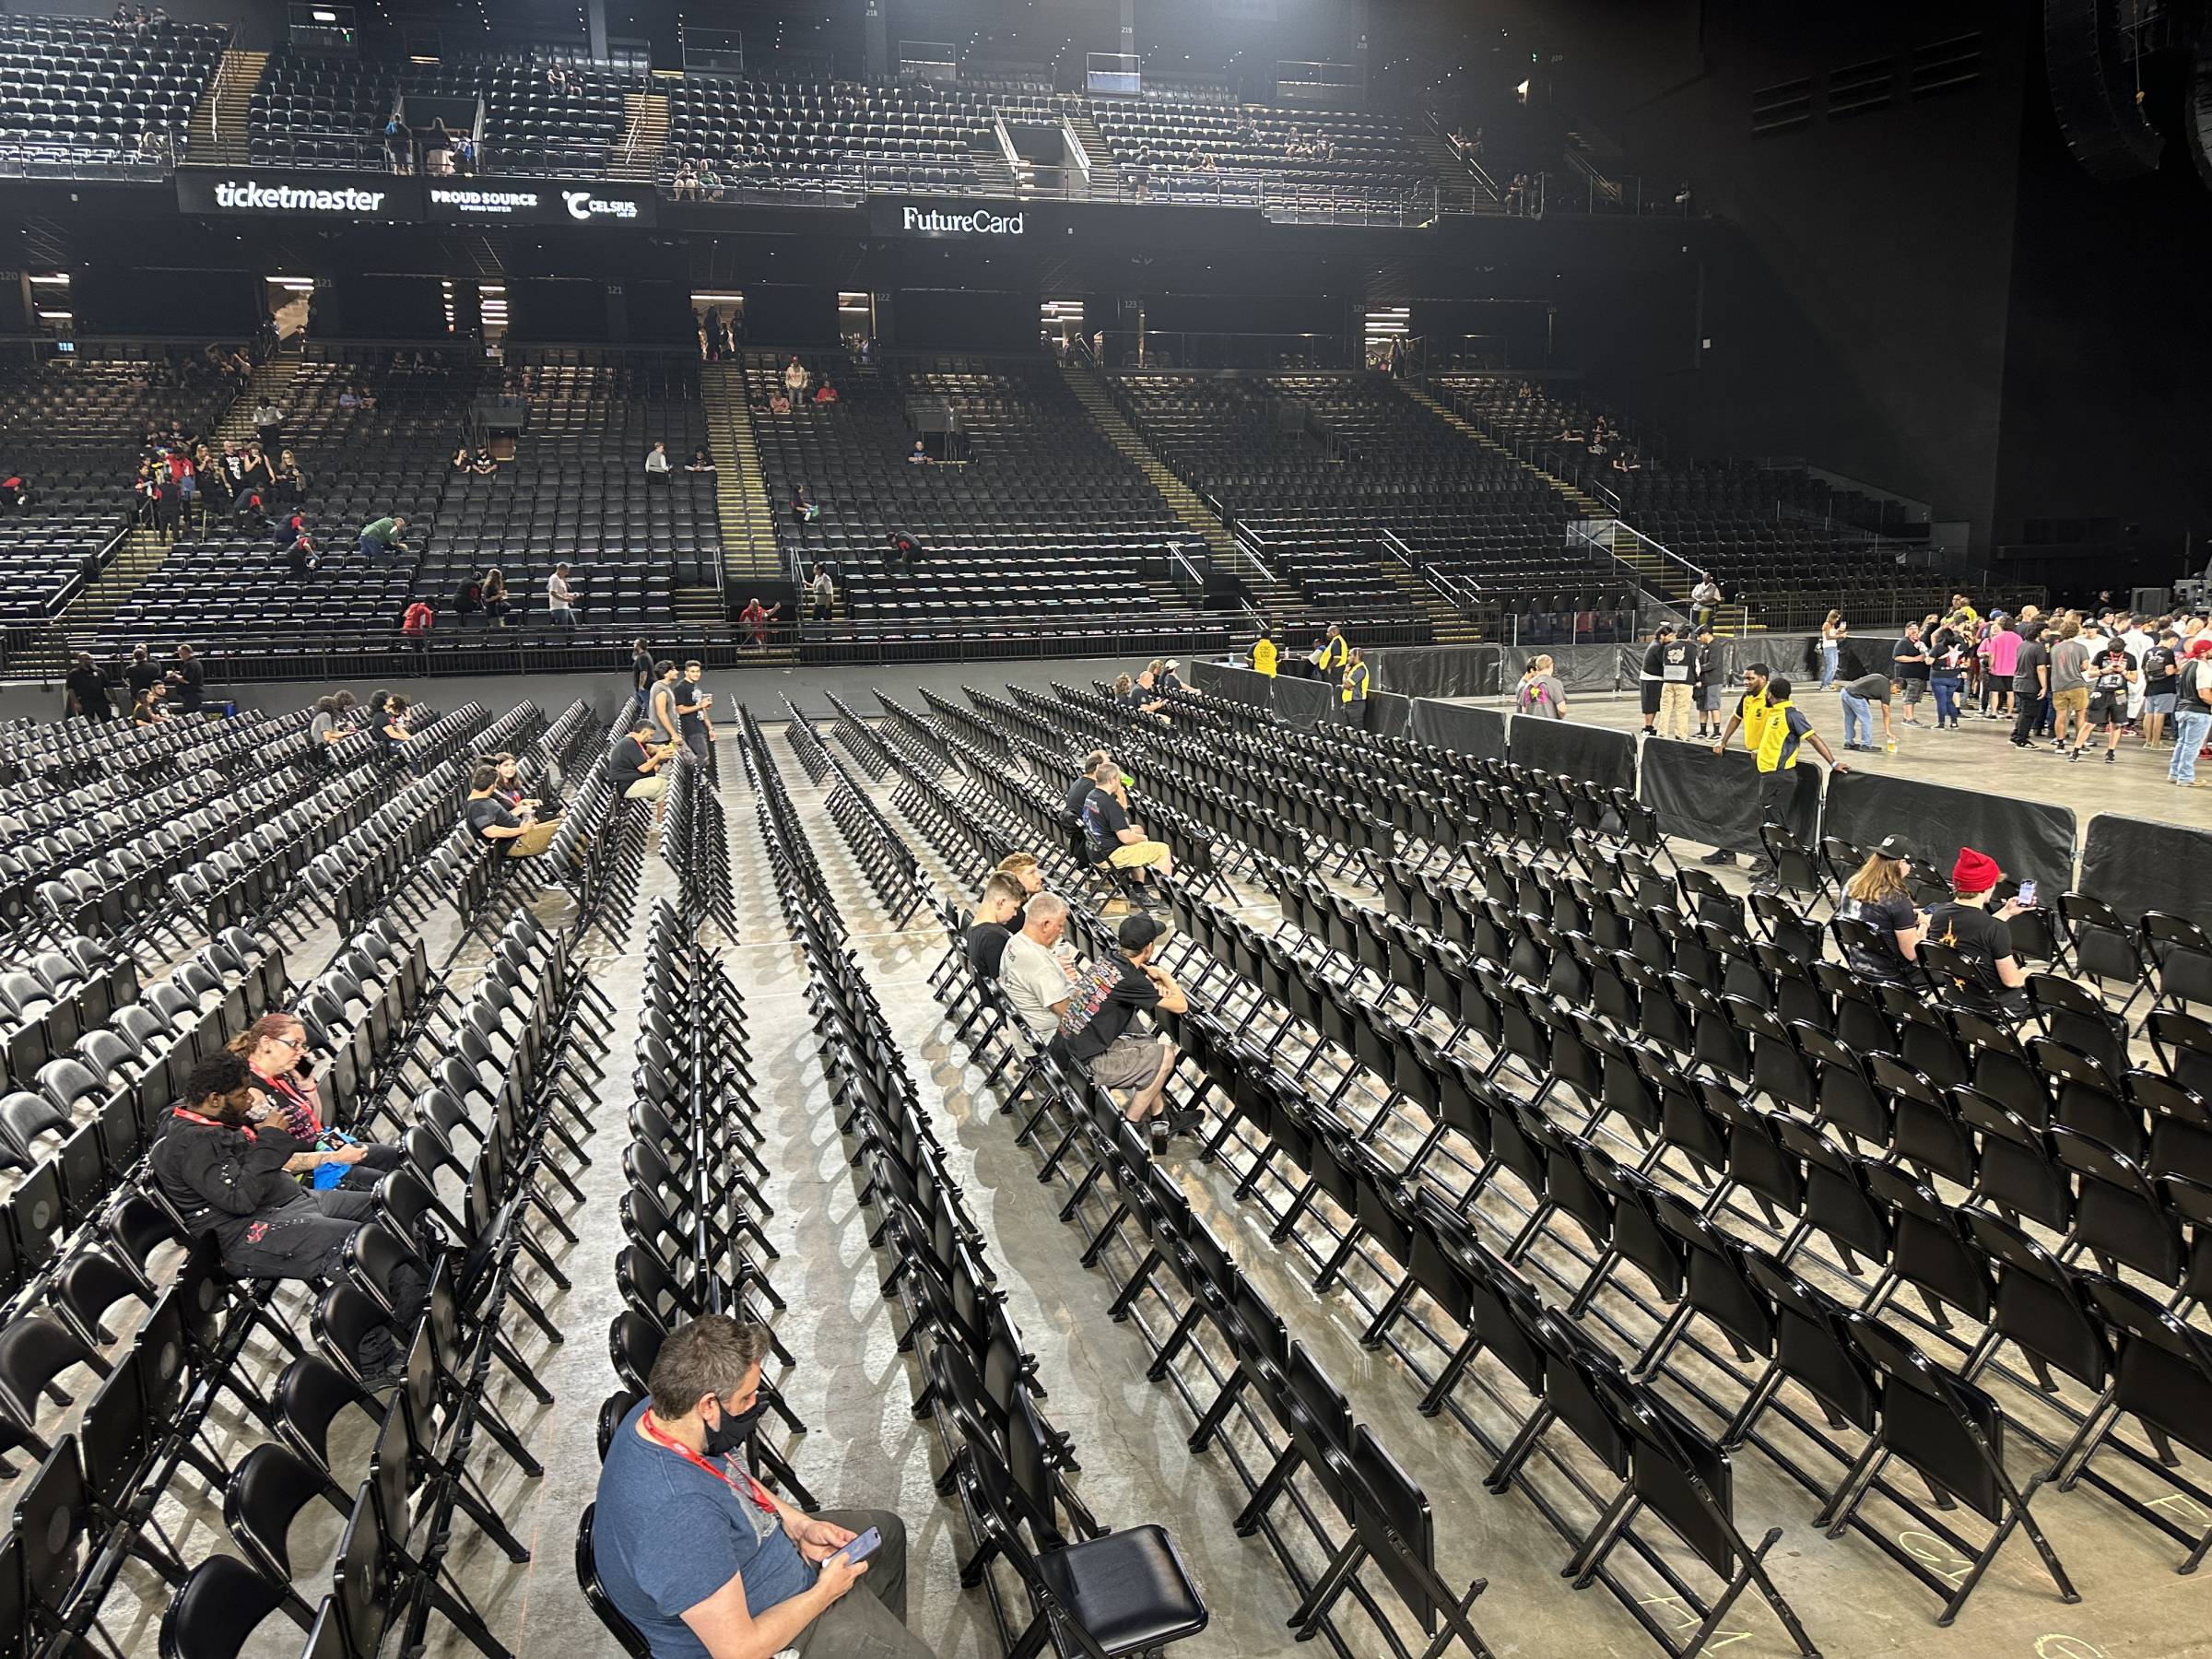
1831, 646
1878, 895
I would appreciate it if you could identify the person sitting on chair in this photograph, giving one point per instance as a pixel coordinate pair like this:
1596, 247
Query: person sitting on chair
996, 913
224, 1164
702, 1557
1101, 1005
491, 818
1111, 837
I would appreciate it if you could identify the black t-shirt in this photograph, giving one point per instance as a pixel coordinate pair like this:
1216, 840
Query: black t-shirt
1101, 1003
490, 813
1980, 938
90, 691
695, 722
1103, 820
1888, 917
641, 667
626, 763
1910, 647
1948, 649
139, 675
192, 677
2108, 674
1077, 793
1678, 662
2160, 664
1713, 667
986, 946
2034, 655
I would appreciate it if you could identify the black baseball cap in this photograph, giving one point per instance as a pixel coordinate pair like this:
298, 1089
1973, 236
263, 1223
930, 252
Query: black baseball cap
1136, 932
1892, 846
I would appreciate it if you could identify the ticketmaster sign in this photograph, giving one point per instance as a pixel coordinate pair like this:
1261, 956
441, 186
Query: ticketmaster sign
340, 198
908, 218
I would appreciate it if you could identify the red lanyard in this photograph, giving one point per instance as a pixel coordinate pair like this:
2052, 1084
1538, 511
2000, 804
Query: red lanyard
752, 1487
194, 1117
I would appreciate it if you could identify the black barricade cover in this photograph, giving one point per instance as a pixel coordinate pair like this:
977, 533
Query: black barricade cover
1436, 670
1578, 668
1303, 701
2135, 865
1227, 680
1702, 796
1469, 730
1389, 715
1605, 758
2030, 840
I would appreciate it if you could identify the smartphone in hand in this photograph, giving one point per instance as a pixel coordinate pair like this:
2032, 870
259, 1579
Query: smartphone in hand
861, 1547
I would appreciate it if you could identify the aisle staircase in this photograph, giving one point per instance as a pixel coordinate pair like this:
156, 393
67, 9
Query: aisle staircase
1666, 578
137, 556
1458, 190
741, 503
1105, 177
637, 158
272, 379
1447, 622
217, 136
1274, 598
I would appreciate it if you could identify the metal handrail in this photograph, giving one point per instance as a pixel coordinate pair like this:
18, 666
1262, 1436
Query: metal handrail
1464, 594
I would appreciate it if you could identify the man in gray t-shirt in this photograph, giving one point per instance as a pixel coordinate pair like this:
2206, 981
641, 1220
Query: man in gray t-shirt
2070, 684
1036, 982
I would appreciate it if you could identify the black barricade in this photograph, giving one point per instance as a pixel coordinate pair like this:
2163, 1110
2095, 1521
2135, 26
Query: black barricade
1437, 670
1605, 758
1702, 796
2027, 839
1303, 701
1470, 731
2136, 865
1227, 680
1389, 714
1578, 668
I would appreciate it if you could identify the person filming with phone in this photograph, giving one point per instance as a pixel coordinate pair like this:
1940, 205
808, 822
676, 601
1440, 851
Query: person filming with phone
704, 1560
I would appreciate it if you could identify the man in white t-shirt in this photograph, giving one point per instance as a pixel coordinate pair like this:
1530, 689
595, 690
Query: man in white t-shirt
561, 599
1037, 980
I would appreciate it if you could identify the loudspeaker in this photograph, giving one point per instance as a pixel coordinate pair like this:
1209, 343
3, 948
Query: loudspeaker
2092, 96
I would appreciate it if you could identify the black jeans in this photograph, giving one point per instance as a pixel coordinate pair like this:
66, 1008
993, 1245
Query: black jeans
376, 1162
306, 1238
2027, 717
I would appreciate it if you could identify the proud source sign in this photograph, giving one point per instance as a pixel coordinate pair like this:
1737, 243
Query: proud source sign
919, 218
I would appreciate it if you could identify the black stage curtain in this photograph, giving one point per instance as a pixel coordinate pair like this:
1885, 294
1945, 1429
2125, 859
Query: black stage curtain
1578, 668
1303, 701
1607, 759
1460, 726
2030, 840
2135, 864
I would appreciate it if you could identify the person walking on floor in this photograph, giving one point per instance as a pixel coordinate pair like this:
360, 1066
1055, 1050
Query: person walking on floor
1784, 733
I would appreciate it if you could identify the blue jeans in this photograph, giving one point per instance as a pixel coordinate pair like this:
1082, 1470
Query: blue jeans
374, 551
2189, 730
1946, 687
1830, 652
1858, 720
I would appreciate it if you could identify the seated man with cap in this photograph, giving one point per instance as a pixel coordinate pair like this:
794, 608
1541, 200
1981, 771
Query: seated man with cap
1169, 678
1104, 1002
1965, 924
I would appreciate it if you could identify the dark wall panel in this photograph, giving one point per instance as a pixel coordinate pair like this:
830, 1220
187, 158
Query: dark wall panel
956, 319
221, 304
782, 314
355, 305
548, 308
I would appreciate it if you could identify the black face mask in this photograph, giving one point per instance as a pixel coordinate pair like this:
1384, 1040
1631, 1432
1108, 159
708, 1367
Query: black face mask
734, 1430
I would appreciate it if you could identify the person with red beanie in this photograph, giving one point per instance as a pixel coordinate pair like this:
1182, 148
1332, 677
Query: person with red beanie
1965, 924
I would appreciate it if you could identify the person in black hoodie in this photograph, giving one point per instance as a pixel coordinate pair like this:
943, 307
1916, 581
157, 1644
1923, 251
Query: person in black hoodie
226, 1169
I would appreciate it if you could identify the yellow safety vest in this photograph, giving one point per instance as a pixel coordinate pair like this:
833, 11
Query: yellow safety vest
1262, 658
1355, 683
1334, 652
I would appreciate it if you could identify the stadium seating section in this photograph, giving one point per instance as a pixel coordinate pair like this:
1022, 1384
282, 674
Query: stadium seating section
361, 464
1046, 520
79, 98
1777, 539
323, 112
1318, 466
1212, 152
762, 136
71, 427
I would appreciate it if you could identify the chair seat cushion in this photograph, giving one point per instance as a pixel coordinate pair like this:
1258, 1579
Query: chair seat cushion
1128, 1589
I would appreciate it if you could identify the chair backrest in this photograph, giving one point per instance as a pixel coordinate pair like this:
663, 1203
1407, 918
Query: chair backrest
216, 1610
626, 1635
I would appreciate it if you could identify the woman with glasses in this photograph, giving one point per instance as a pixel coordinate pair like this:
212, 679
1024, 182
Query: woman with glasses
275, 1048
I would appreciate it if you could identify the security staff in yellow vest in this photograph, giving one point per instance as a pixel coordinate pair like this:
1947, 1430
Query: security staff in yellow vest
1262, 656
1330, 655
1784, 733
1354, 685
1750, 714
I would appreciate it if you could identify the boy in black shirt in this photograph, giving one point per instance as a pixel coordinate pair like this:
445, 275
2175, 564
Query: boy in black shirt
2161, 679
1712, 672
2112, 673
992, 927
1101, 1005
1080, 791
2030, 684
1982, 939
1653, 676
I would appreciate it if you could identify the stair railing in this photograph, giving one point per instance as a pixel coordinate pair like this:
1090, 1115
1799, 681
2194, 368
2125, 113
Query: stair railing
1464, 594
1599, 535
215, 98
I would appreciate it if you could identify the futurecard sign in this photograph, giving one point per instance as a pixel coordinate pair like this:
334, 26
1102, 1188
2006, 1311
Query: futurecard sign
527, 201
335, 198
380, 198
958, 221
